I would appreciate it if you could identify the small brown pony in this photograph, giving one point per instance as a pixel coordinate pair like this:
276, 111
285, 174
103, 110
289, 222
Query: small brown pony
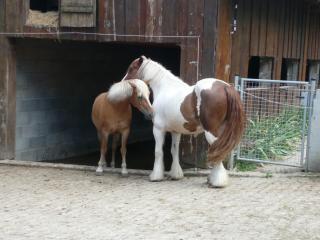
112, 113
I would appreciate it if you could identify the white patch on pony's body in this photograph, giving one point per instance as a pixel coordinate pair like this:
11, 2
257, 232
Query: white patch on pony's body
218, 176
210, 137
204, 84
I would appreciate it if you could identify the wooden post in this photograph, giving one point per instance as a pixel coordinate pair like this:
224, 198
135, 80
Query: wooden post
7, 99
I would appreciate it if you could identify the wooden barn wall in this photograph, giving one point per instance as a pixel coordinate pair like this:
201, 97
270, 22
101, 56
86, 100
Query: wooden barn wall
274, 28
140, 17
314, 37
148, 18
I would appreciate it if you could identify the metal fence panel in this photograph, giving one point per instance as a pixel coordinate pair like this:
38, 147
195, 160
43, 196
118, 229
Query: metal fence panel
277, 121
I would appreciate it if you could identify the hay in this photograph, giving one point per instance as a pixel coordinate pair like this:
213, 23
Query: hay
47, 19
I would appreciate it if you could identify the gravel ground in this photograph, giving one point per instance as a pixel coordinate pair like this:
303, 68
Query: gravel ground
44, 203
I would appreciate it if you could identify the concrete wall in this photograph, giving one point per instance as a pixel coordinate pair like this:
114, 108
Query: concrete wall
314, 151
56, 86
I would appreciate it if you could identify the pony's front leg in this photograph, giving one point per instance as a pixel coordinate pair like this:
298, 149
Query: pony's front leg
103, 150
158, 167
124, 139
176, 170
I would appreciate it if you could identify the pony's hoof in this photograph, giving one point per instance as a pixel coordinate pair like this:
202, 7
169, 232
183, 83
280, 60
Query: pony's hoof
156, 177
124, 173
99, 171
218, 180
176, 175
218, 177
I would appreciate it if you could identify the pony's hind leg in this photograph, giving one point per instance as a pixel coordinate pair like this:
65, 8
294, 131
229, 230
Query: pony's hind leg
103, 150
115, 139
218, 176
124, 140
176, 170
158, 167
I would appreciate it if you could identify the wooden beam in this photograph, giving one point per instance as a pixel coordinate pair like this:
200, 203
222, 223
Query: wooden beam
7, 99
223, 49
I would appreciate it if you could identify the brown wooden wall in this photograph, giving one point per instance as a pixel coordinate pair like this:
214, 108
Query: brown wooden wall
147, 18
274, 28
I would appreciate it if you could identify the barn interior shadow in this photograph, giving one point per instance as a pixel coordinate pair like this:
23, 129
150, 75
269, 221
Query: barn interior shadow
56, 85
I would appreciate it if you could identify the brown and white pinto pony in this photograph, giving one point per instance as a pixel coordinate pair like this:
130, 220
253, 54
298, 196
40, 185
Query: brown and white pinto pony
211, 106
112, 113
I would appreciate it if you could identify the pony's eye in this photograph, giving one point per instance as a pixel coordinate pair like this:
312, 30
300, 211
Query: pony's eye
140, 97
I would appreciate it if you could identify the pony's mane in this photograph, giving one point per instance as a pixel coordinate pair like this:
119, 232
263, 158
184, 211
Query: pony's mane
163, 71
119, 91
122, 90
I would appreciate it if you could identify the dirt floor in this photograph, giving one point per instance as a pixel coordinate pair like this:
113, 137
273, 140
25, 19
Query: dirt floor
44, 203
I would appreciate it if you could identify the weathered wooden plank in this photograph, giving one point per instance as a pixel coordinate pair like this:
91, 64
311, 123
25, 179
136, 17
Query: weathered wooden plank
263, 28
2, 16
295, 37
210, 38
169, 26
278, 51
255, 23
182, 31
13, 21
236, 43
299, 29
132, 19
195, 25
286, 29
272, 28
223, 52
7, 99
74, 13
245, 39
303, 29
120, 18
143, 17
318, 38
103, 16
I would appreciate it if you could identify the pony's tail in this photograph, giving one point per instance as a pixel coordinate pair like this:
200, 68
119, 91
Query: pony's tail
233, 127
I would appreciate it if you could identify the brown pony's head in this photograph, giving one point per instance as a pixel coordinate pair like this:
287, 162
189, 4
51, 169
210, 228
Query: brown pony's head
140, 97
133, 68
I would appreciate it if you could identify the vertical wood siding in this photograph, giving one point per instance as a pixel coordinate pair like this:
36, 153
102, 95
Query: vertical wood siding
278, 29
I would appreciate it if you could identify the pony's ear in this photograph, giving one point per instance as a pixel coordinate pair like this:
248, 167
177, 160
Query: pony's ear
141, 59
133, 85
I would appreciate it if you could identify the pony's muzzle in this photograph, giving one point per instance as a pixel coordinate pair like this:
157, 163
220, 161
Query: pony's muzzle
148, 115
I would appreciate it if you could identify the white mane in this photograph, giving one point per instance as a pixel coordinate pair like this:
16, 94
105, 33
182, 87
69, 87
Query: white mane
123, 90
154, 71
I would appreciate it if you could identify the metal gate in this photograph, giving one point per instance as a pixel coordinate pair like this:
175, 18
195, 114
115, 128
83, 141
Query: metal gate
278, 114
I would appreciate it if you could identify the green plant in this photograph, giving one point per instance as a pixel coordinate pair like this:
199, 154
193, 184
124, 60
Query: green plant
273, 137
243, 166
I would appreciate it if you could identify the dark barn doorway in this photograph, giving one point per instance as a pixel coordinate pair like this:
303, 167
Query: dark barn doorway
56, 85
